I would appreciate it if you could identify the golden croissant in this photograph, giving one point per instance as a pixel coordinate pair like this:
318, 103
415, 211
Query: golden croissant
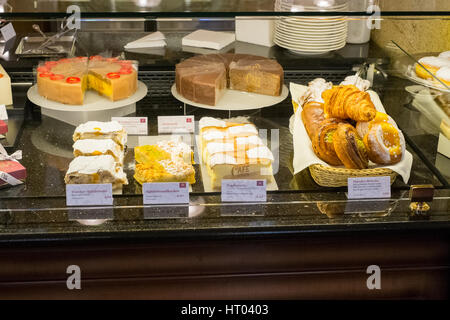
348, 102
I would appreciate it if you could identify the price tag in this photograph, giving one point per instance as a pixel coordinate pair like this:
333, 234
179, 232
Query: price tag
133, 125
176, 124
165, 192
89, 194
3, 113
244, 190
369, 187
8, 32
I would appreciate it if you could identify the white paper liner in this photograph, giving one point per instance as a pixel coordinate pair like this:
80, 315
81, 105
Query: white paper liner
304, 155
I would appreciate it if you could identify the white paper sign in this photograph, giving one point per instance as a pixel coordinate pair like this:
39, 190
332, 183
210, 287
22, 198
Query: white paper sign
369, 187
3, 113
165, 192
133, 125
8, 32
244, 190
176, 124
89, 194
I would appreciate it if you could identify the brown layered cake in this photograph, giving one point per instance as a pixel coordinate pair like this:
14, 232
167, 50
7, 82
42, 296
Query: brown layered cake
204, 78
66, 80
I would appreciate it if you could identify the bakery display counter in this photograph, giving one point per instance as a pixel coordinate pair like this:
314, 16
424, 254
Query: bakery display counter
316, 113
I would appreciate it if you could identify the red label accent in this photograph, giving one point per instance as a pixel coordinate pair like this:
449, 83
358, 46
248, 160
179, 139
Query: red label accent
189, 120
182, 185
259, 183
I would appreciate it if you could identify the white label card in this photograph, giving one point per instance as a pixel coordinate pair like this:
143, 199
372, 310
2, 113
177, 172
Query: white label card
176, 124
369, 187
133, 125
3, 113
244, 190
8, 32
165, 192
89, 194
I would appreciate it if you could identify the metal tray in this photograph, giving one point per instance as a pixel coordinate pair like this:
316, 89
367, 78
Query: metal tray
64, 46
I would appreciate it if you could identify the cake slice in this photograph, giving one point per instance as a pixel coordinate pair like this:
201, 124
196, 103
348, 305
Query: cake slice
97, 147
164, 171
263, 76
254, 163
5, 88
95, 170
101, 130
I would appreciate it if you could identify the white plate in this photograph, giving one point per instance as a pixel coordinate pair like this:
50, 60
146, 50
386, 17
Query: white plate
311, 48
316, 22
237, 100
411, 75
302, 39
312, 35
92, 100
318, 30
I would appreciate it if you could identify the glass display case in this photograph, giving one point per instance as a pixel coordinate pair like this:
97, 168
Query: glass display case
380, 42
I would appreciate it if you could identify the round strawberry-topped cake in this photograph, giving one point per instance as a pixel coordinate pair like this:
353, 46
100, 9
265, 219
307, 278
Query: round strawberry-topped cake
66, 80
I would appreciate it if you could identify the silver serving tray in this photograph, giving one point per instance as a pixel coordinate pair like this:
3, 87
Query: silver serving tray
64, 46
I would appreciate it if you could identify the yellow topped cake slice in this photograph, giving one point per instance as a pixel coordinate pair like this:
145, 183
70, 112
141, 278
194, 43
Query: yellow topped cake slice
164, 171
165, 161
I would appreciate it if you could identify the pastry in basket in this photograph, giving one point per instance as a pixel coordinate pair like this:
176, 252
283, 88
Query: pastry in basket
323, 141
363, 126
349, 147
385, 143
313, 93
312, 116
443, 74
348, 102
432, 64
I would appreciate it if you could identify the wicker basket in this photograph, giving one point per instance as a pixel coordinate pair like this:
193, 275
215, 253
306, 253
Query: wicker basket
326, 176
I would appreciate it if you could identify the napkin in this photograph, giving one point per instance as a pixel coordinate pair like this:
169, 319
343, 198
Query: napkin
304, 155
208, 39
153, 40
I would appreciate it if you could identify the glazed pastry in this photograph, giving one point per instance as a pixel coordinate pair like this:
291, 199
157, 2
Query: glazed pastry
350, 147
385, 143
323, 141
363, 126
164, 171
357, 81
348, 102
433, 64
312, 116
443, 74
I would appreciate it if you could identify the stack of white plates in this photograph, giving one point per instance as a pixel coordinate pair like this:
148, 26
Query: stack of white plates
311, 34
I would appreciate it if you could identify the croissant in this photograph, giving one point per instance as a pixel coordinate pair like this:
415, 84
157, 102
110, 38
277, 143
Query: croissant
323, 141
348, 101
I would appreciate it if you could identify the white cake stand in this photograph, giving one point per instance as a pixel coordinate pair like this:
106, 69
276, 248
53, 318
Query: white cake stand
95, 107
234, 100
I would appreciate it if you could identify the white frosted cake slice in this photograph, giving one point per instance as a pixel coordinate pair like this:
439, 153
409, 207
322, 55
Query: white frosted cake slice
97, 147
5, 88
177, 149
101, 130
254, 163
95, 169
